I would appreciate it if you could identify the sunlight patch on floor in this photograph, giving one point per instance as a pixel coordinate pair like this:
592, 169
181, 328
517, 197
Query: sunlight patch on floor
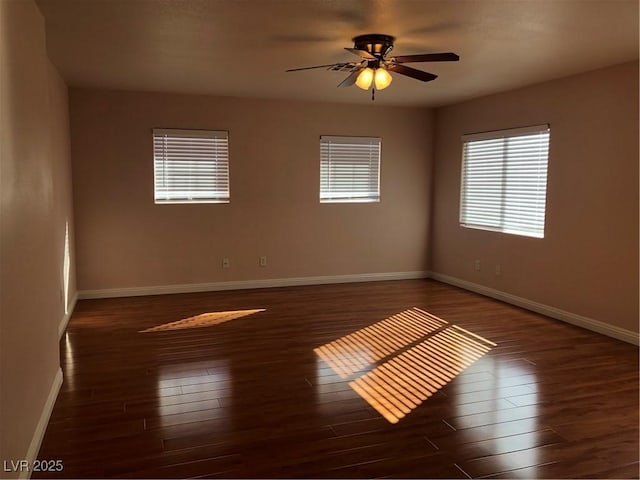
360, 349
424, 353
202, 320
398, 386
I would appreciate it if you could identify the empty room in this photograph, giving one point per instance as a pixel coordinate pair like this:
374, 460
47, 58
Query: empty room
319, 239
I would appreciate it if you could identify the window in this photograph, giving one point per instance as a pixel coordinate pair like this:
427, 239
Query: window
349, 169
191, 166
504, 180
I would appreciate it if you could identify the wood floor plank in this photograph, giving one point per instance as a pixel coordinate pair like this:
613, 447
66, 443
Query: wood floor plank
506, 462
250, 398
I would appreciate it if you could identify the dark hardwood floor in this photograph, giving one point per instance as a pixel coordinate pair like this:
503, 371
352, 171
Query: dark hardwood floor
252, 397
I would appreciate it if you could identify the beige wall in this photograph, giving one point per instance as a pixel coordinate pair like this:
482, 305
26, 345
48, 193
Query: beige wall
587, 264
125, 240
35, 186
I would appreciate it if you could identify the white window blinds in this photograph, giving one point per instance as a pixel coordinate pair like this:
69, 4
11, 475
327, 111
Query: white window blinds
190, 166
350, 169
504, 180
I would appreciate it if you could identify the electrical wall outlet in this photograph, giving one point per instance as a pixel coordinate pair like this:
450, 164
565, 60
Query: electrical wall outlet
476, 265
226, 263
498, 270
263, 261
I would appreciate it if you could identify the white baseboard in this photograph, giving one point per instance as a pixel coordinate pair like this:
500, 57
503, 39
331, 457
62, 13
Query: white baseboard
578, 320
65, 320
41, 427
247, 284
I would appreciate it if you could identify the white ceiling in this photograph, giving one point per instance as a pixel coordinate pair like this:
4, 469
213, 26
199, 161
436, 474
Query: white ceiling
243, 47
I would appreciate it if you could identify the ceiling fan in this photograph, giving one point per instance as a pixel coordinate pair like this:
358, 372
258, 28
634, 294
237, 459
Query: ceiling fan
374, 65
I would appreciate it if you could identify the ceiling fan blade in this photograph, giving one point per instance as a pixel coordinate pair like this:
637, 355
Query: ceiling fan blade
345, 67
361, 53
427, 57
351, 79
411, 72
316, 66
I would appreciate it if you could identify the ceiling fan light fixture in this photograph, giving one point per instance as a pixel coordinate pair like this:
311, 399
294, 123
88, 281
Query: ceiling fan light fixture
382, 78
365, 79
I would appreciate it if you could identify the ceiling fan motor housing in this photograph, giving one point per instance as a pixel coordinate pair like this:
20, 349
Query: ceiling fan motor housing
376, 44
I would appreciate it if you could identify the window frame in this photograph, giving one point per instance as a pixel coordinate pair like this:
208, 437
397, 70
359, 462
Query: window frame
522, 208
220, 191
332, 187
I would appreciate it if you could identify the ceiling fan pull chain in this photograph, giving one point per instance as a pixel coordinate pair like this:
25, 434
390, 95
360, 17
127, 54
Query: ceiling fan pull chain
373, 94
